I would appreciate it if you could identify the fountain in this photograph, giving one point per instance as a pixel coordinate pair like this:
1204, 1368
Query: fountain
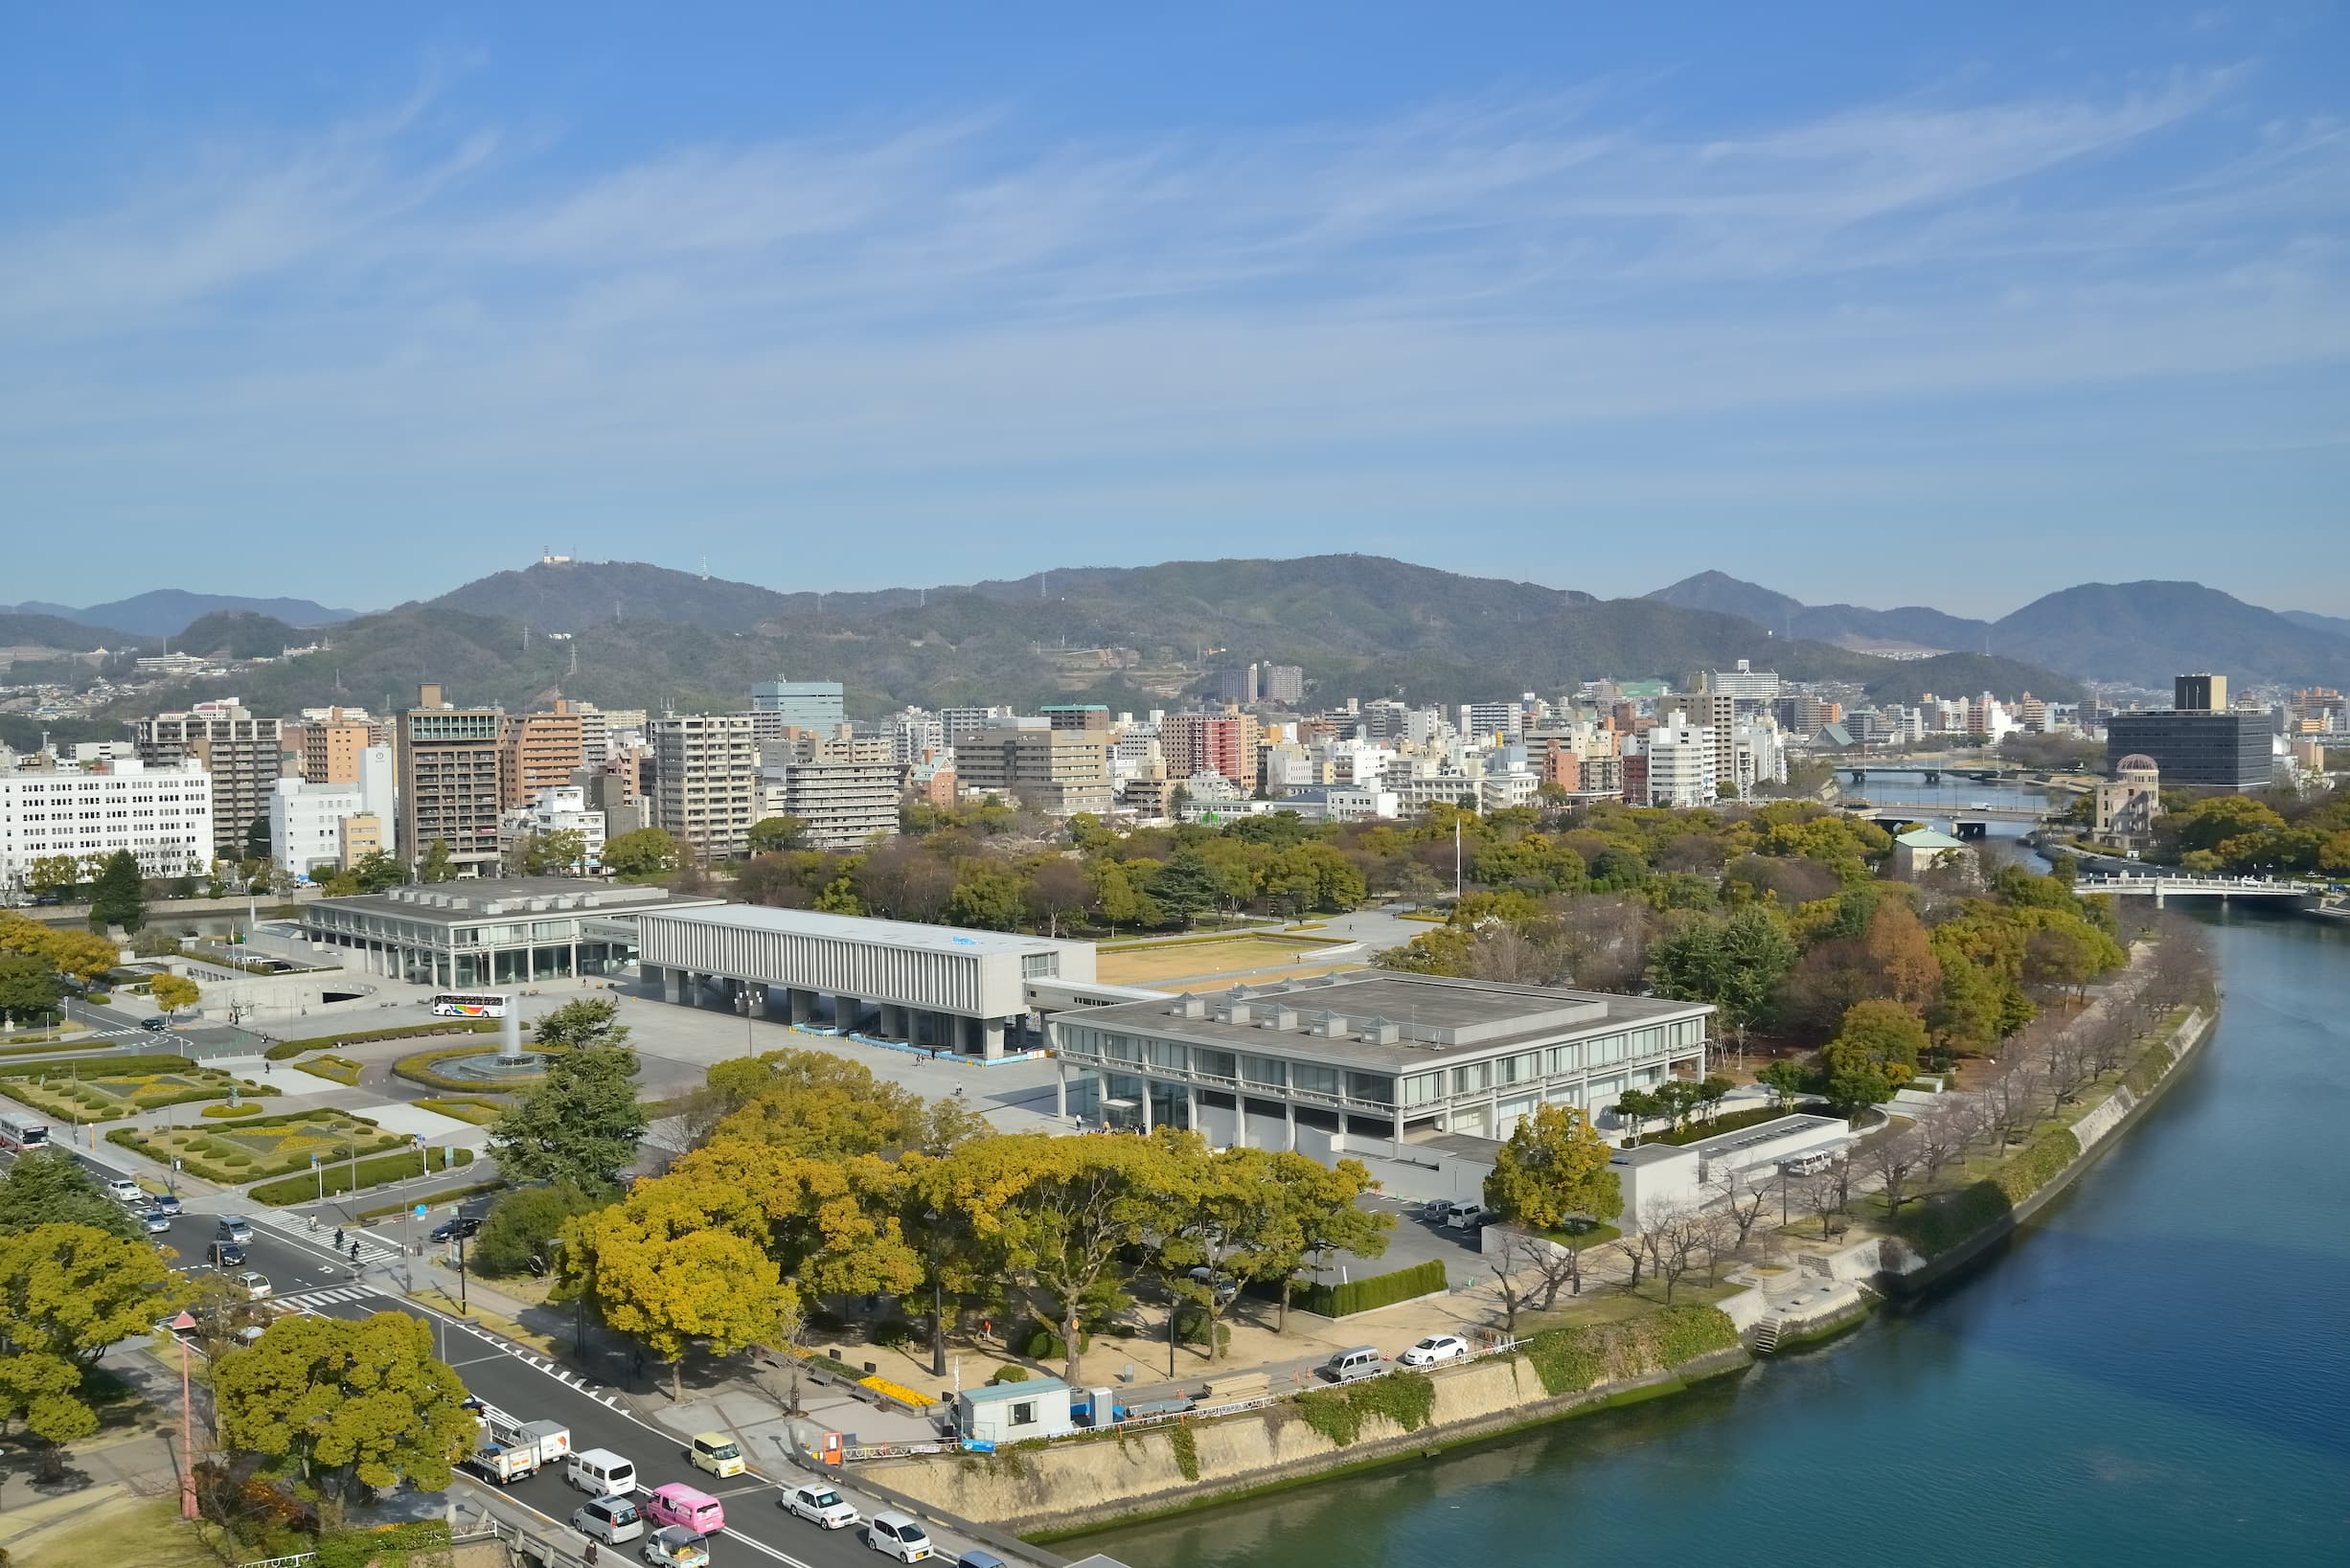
508, 1064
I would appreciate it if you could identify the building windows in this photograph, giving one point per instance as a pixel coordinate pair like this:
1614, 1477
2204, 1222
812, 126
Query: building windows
1035, 965
1307, 1077
1224, 1064
1565, 1058
1472, 1079
1166, 1054
1264, 1072
1424, 1089
1376, 1088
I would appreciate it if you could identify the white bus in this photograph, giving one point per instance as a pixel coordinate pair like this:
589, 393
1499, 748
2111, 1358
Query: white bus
449, 1004
20, 1131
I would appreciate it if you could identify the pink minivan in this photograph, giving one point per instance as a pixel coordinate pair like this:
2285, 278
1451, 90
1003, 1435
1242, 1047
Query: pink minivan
678, 1504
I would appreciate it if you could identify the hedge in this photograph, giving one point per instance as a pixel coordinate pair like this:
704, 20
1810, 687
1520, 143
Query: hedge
283, 1049
224, 1111
1732, 1122
465, 1108
373, 1171
1338, 1301
420, 1069
112, 1065
446, 1194
1570, 1360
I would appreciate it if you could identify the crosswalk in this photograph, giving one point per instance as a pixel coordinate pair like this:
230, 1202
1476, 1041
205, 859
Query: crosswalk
310, 1300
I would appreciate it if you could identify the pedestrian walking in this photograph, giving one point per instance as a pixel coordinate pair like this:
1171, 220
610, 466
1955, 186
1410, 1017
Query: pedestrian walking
338, 1237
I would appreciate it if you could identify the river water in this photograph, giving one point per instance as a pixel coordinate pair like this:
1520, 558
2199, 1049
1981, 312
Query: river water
2155, 1372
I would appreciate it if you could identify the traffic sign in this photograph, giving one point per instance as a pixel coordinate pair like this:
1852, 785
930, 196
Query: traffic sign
422, 1208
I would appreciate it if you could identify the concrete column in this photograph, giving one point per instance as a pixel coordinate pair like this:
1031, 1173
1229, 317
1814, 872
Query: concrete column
801, 1005
775, 1002
672, 986
1060, 1090
1399, 1132
1288, 1116
1145, 1106
1191, 1106
845, 1010
992, 1039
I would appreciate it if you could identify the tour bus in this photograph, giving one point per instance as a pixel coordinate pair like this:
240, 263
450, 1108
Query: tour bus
449, 1004
21, 1132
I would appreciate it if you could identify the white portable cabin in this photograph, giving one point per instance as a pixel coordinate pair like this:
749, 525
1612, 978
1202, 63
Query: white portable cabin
1014, 1412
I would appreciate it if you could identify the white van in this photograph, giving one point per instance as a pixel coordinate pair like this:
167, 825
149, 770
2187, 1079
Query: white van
601, 1472
1349, 1365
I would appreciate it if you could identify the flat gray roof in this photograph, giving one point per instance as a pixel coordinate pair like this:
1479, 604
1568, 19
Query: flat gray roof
1433, 1019
807, 922
472, 899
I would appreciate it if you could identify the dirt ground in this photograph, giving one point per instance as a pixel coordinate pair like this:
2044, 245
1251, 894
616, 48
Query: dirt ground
1238, 956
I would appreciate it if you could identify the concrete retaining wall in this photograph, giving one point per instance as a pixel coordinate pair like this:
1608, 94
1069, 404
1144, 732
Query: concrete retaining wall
1072, 1484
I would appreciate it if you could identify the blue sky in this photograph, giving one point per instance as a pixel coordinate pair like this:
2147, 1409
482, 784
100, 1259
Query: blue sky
1882, 303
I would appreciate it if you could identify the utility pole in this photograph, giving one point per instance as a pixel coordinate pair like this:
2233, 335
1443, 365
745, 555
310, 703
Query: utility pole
187, 1440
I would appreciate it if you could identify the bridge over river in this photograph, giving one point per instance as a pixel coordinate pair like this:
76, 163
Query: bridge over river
2164, 886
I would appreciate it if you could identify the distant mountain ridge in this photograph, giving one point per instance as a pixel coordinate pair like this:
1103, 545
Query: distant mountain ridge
167, 612
2138, 632
627, 633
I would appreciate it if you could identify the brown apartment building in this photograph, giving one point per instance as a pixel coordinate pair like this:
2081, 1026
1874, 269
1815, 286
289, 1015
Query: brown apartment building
539, 752
449, 761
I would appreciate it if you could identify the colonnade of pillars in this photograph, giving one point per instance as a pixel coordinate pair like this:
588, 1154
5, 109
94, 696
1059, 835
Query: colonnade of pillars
951, 1032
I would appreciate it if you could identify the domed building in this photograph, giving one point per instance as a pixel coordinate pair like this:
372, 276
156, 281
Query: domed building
2129, 803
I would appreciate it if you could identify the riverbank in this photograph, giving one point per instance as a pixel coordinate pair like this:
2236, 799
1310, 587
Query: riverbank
1045, 1491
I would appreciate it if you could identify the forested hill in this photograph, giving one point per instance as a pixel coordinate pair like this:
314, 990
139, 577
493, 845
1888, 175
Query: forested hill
627, 634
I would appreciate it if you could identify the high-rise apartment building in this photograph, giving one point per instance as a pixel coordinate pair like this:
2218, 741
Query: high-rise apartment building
1224, 743
846, 790
705, 791
802, 705
1483, 723
916, 736
1059, 772
1246, 684
1681, 764
449, 762
241, 752
333, 739
540, 752
964, 722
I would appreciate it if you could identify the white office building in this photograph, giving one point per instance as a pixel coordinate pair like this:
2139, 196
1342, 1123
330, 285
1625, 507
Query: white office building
1681, 763
561, 809
306, 820
160, 811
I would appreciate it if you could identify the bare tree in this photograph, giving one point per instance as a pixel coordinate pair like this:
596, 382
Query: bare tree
1941, 1135
2006, 1099
1825, 1195
1740, 1200
1505, 1264
1674, 1239
1890, 1159
1633, 1246
1552, 1264
1719, 1234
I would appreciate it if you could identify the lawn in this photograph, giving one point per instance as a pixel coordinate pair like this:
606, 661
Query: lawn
125, 1532
467, 1108
91, 1092
280, 1145
1612, 1304
1232, 955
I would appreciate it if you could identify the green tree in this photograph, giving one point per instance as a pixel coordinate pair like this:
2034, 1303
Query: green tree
436, 866
1122, 895
1738, 964
28, 987
1785, 1079
118, 896
1553, 1165
355, 1406
580, 1126
174, 994
67, 1292
1316, 1212
376, 872
987, 895
647, 851
1185, 885
49, 1186
1874, 1054
518, 1233
1638, 1107
813, 1104
560, 850
772, 835
52, 873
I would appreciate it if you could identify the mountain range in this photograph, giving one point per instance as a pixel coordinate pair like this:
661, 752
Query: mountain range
167, 612
2142, 633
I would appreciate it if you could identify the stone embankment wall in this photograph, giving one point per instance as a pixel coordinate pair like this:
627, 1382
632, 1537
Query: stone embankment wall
2095, 1130
1070, 1485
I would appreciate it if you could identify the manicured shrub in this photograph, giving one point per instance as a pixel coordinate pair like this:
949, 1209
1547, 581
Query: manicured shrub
383, 1168
1338, 1301
1009, 1371
283, 1050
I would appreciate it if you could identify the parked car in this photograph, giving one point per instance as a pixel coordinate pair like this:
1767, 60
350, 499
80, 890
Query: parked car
895, 1536
715, 1452
464, 1227
122, 1189
1462, 1215
234, 1228
1808, 1164
976, 1559
1351, 1366
1435, 1349
610, 1520
256, 1286
1224, 1284
156, 1221
819, 1504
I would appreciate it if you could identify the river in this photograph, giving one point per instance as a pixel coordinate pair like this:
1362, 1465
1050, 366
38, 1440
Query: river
2155, 1372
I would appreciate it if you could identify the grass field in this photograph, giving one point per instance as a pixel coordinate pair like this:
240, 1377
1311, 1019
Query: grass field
1143, 965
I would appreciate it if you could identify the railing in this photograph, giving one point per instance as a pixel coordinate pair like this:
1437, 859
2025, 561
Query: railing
294, 1561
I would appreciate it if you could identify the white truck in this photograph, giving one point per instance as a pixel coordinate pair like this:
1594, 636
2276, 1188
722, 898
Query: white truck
538, 1442
504, 1463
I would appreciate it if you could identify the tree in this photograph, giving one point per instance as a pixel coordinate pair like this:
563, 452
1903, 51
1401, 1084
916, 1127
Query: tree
1635, 1107
1874, 1053
771, 836
814, 1104
52, 873
436, 865
662, 1269
1121, 895
1316, 1212
582, 1125
561, 849
1737, 963
358, 1406
1057, 887
84, 955
647, 851
67, 1292
987, 896
1785, 1079
1890, 1157
1553, 1165
28, 988
1742, 1200
590, 1022
1185, 885
49, 1186
376, 870
118, 896
518, 1233
174, 994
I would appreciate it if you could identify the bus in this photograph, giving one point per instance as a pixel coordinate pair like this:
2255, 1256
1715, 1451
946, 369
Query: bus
21, 1132
449, 1004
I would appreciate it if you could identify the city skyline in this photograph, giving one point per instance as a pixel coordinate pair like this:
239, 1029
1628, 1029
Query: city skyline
1528, 302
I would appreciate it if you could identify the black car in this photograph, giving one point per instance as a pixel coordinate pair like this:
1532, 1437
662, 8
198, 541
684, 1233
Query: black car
455, 1229
227, 1254
155, 1025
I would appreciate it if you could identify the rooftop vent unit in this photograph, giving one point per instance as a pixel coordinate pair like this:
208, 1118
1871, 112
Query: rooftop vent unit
1238, 1013
1380, 1031
1279, 1017
1188, 1006
1329, 1026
